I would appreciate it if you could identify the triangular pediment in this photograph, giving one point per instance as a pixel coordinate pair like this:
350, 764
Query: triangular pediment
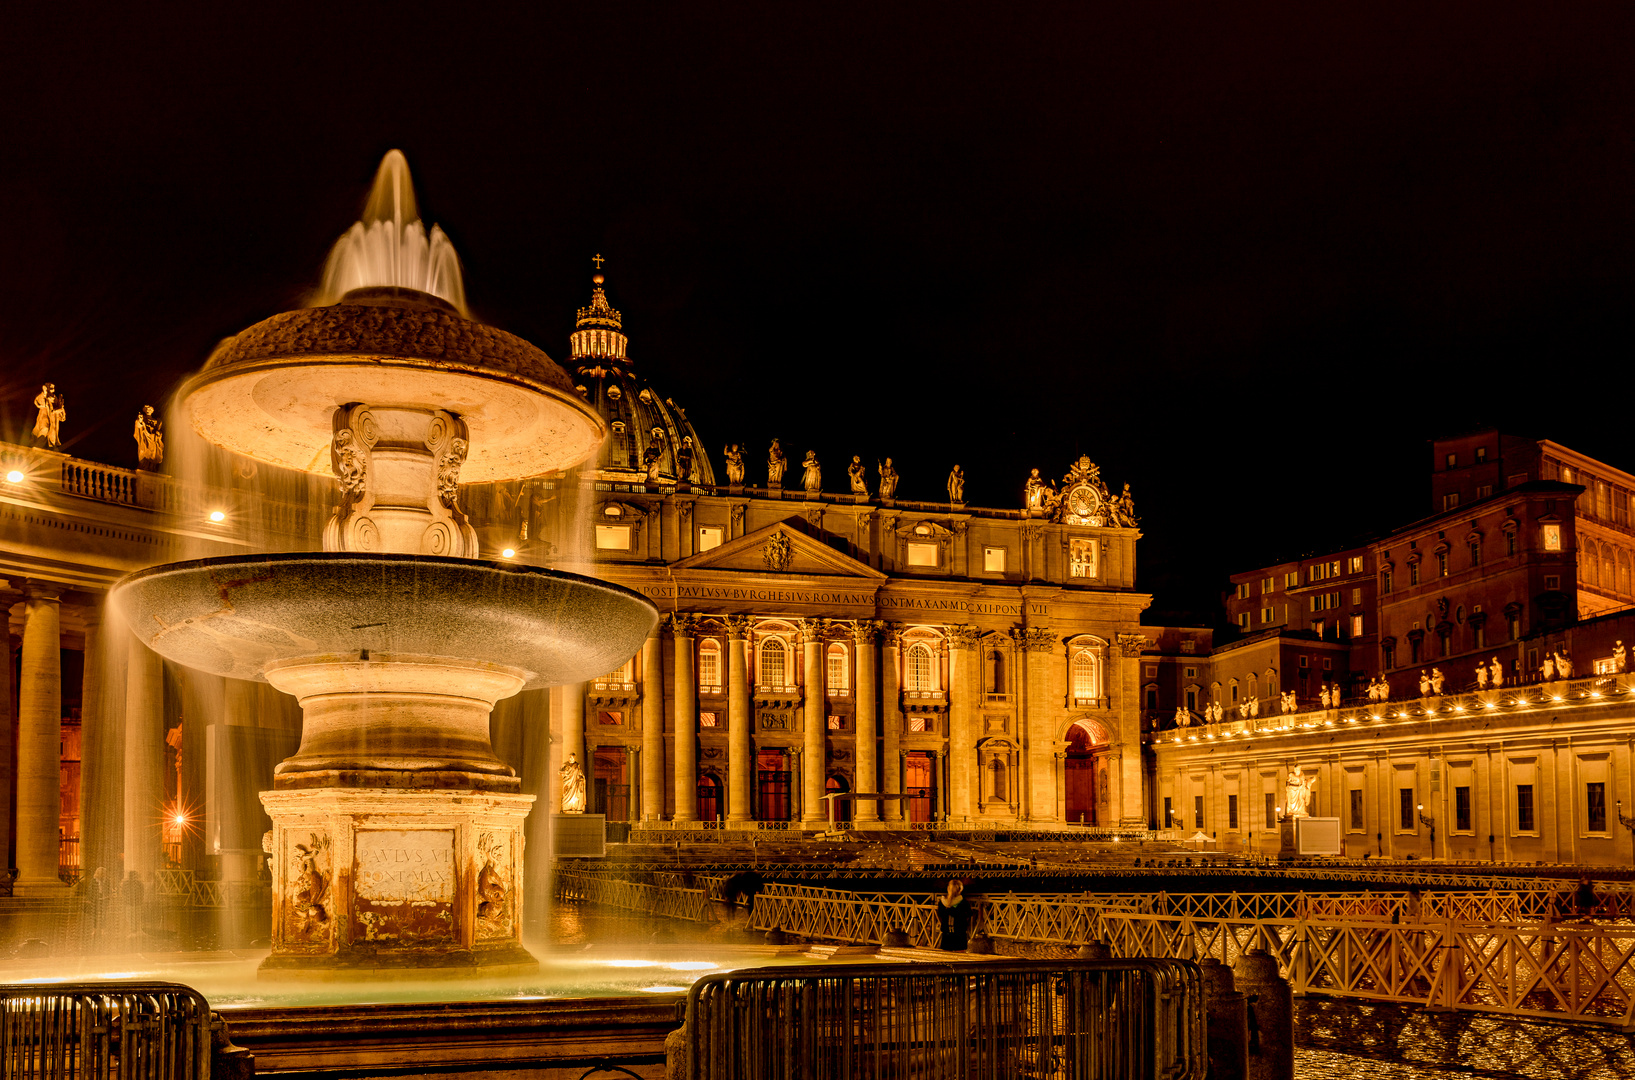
780, 548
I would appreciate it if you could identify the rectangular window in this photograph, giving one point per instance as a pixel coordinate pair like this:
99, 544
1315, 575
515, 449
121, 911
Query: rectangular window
1461, 809
1356, 626
1481, 453
710, 536
1192, 673
613, 537
1405, 806
993, 560
1269, 585
1389, 656
1267, 614
1197, 811
1243, 621
1552, 538
1356, 809
708, 719
1475, 553
1169, 815
1441, 564
1081, 558
1413, 573
1450, 500
709, 667
837, 723
1356, 565
1524, 807
1291, 579
1515, 628
922, 554
1328, 663
1484, 491
1271, 810
1552, 581
1385, 581
1356, 596
1453, 459
1478, 635
1595, 810
1231, 811
1509, 543
611, 719
1243, 590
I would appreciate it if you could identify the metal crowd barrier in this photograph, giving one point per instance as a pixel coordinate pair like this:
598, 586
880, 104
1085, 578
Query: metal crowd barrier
104, 1031
1139, 1019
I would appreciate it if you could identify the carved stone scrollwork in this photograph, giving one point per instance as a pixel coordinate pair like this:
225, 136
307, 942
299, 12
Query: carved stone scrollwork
867, 631
351, 529
1133, 644
449, 533
891, 634
683, 623
737, 626
1034, 638
738, 519
494, 915
814, 518
309, 877
685, 512
960, 527
778, 552
813, 629
964, 636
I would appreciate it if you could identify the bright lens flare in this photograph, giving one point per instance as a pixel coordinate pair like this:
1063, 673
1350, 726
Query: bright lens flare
217, 515
509, 553
15, 476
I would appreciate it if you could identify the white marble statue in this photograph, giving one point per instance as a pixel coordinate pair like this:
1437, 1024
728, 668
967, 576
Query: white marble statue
1564, 665
1620, 658
1182, 717
956, 486
811, 472
735, 465
1437, 681
1254, 708
1297, 794
1548, 668
150, 439
888, 480
856, 473
50, 412
1424, 683
573, 786
1481, 676
1498, 673
1033, 493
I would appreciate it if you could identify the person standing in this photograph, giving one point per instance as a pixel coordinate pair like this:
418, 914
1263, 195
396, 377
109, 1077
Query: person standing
954, 918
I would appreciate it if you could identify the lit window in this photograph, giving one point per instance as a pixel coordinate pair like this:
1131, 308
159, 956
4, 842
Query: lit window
993, 560
1441, 564
1084, 676
613, 537
917, 669
1243, 620
1356, 565
1524, 807
838, 679
610, 719
1450, 500
1081, 561
836, 723
710, 536
709, 665
1552, 538
774, 663
922, 554
708, 719
1356, 625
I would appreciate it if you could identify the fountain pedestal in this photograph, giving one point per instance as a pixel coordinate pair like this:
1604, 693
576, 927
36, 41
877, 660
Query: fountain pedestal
371, 882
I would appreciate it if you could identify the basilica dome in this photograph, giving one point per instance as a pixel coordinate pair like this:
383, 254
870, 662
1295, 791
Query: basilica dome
647, 434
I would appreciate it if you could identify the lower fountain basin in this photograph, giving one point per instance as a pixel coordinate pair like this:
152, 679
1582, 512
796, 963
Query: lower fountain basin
234, 616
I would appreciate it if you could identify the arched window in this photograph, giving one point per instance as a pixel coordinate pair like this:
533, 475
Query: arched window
709, 665
1587, 563
774, 664
1083, 671
918, 668
838, 677
1271, 683
1623, 572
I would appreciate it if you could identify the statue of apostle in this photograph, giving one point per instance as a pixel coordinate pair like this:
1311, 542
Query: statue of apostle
50, 411
888, 480
775, 462
573, 786
1297, 794
150, 439
735, 465
956, 486
811, 472
856, 472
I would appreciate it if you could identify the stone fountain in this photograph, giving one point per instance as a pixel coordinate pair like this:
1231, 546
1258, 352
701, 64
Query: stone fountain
397, 837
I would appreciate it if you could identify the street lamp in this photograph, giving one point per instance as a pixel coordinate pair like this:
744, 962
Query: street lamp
1426, 819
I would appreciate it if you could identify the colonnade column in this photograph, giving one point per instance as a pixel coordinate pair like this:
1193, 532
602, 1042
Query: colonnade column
740, 763
892, 720
863, 635
962, 662
8, 597
815, 724
39, 745
572, 713
144, 759
653, 727
686, 719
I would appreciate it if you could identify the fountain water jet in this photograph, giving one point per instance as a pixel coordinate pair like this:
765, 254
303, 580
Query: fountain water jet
397, 833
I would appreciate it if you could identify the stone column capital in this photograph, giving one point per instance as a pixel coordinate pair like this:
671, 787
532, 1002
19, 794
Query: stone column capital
866, 631
963, 636
43, 590
682, 623
737, 626
1034, 638
811, 630
1133, 644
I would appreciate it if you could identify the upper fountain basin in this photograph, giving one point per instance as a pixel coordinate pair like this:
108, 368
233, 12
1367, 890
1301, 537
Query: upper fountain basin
271, 391
232, 616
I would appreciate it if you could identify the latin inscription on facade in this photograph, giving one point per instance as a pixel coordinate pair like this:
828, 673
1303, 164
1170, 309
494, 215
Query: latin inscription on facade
928, 605
404, 883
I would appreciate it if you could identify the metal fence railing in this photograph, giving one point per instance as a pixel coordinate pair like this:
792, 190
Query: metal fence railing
97, 1031
1077, 1020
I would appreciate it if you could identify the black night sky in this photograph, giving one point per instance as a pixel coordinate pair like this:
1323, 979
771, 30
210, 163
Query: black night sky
1247, 258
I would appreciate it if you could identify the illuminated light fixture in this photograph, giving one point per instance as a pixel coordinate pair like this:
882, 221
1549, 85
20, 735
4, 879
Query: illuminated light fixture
1555, 699
509, 553
1490, 705
15, 476
1458, 708
180, 819
1431, 711
1595, 693
217, 516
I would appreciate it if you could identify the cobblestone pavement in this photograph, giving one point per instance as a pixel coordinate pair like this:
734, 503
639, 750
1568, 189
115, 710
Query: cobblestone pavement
1391, 1042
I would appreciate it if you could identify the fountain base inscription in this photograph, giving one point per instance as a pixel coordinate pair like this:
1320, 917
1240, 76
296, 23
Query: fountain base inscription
373, 881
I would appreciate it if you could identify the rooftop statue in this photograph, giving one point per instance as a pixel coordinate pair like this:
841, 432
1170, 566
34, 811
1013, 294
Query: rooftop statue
775, 463
856, 472
811, 473
888, 480
150, 439
956, 486
735, 465
50, 412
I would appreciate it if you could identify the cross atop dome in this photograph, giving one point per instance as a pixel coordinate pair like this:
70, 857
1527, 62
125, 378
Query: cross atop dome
597, 329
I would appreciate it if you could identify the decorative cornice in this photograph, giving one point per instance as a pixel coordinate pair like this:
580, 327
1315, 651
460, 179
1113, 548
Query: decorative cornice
1034, 638
964, 636
1133, 644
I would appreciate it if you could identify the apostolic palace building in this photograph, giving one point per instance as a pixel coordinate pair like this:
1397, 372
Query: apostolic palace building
829, 653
